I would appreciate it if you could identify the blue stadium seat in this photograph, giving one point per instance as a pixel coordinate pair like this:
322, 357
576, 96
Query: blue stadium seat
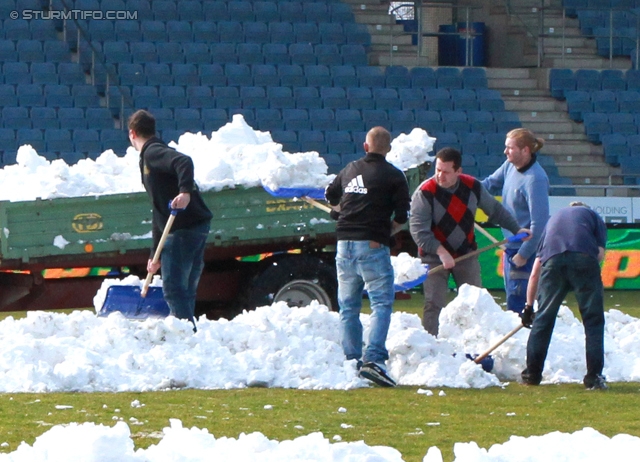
230, 31
185, 74
132, 74
158, 74
58, 140
386, 98
173, 96
249, 53
422, 77
196, 53
429, 121
101, 31
628, 101
332, 32
164, 10
266, 11
99, 117
30, 50
188, 120
205, 31
16, 72
8, 51
370, 76
200, 97
296, 119
438, 99
210, 74
612, 79
375, 117
288, 140
623, 124
578, 102
44, 117
481, 121
412, 98
115, 139
302, 53
116, 52
280, 98
214, 11
397, 77
58, 96
354, 54
32, 136
312, 140
344, 75
71, 118
307, 98
291, 75
328, 54
290, 11
265, 75
490, 100
146, 96
464, 99
402, 120
339, 142
227, 97
128, 31
445, 140
357, 33
322, 119
43, 73
341, 12
17, 29
349, 119
360, 98
179, 31
587, 79
334, 98
56, 51
238, 74
87, 141
315, 11
455, 121
142, 8
254, 97
596, 125
256, 32
223, 53
214, 118
15, 117
506, 121
269, 120
560, 82
165, 119
474, 78
30, 95
317, 75
448, 77
241, 10
154, 31
306, 32
276, 53
281, 32
604, 101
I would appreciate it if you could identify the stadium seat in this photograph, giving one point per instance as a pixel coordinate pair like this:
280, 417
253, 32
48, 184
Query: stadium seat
354, 54
422, 77
230, 31
209, 74
339, 142
153, 31
349, 119
332, 32
58, 96
596, 125
15, 117
402, 121
99, 117
317, 75
288, 140
266, 11
254, 97
256, 32
31, 136
205, 31
334, 98
265, 75
312, 140
438, 99
344, 75
328, 54
44, 117
290, 11
200, 96
307, 98
223, 53
16, 72
604, 101
58, 140
448, 78
281, 32
164, 10
315, 12
214, 118
296, 119
464, 99
302, 53
241, 10
386, 98
474, 78
227, 97
249, 53
412, 98
291, 75
280, 98
132, 74
429, 121
506, 121
623, 124
306, 32
376, 117
71, 118
360, 98
188, 120
196, 53
578, 102
128, 31
30, 95
397, 77
179, 31
322, 119
269, 120
587, 80
238, 74
214, 12
158, 74
370, 76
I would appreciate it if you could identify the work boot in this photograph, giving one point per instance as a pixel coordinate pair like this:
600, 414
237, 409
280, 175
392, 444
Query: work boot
529, 378
597, 382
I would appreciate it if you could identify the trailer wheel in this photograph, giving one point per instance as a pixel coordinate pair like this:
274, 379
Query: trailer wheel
297, 280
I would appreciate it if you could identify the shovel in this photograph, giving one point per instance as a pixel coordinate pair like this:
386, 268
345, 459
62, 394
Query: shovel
140, 303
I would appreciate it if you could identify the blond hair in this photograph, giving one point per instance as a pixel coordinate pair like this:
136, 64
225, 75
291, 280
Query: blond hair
526, 138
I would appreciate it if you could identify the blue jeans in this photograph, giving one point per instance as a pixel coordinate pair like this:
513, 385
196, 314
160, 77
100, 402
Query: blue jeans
516, 280
182, 264
363, 264
569, 271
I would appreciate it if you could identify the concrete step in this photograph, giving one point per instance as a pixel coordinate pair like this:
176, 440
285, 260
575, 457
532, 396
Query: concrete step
402, 59
568, 151
567, 42
507, 73
596, 62
549, 127
574, 51
521, 103
512, 83
532, 93
591, 170
389, 40
543, 116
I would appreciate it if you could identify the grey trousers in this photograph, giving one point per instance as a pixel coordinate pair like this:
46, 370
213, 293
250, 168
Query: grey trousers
436, 287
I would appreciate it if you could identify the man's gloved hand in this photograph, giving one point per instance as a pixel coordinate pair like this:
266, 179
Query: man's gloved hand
527, 316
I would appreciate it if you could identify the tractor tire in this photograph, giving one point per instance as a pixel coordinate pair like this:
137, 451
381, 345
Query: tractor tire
295, 279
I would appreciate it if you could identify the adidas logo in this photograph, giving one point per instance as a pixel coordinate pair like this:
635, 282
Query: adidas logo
356, 186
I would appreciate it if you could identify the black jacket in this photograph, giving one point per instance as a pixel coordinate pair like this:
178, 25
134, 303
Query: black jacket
166, 173
370, 192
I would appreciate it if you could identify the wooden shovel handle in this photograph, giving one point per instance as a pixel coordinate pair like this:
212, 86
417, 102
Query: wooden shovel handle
497, 344
156, 255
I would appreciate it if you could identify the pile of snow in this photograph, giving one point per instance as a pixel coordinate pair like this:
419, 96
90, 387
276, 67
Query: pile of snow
278, 346
100, 443
235, 155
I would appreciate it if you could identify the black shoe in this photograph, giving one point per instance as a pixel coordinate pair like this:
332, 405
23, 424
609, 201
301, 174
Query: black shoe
595, 383
530, 379
377, 374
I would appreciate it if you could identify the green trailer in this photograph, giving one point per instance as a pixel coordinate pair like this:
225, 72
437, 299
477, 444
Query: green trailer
260, 249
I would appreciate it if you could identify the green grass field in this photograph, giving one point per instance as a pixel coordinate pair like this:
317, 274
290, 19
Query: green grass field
400, 417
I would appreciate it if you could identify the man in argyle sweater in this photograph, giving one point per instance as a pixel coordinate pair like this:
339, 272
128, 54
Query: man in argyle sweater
443, 210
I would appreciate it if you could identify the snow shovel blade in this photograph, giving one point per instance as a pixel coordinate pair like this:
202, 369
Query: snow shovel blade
314, 193
411, 284
128, 301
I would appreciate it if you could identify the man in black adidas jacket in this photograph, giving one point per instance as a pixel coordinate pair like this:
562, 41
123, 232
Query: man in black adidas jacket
167, 176
370, 192
443, 211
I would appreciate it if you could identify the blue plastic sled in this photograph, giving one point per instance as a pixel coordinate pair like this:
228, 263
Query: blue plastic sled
119, 299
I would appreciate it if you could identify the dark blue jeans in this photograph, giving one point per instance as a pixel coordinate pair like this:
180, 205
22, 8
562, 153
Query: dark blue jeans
516, 280
568, 271
182, 264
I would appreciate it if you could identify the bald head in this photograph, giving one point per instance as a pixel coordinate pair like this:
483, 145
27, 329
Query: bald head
378, 141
